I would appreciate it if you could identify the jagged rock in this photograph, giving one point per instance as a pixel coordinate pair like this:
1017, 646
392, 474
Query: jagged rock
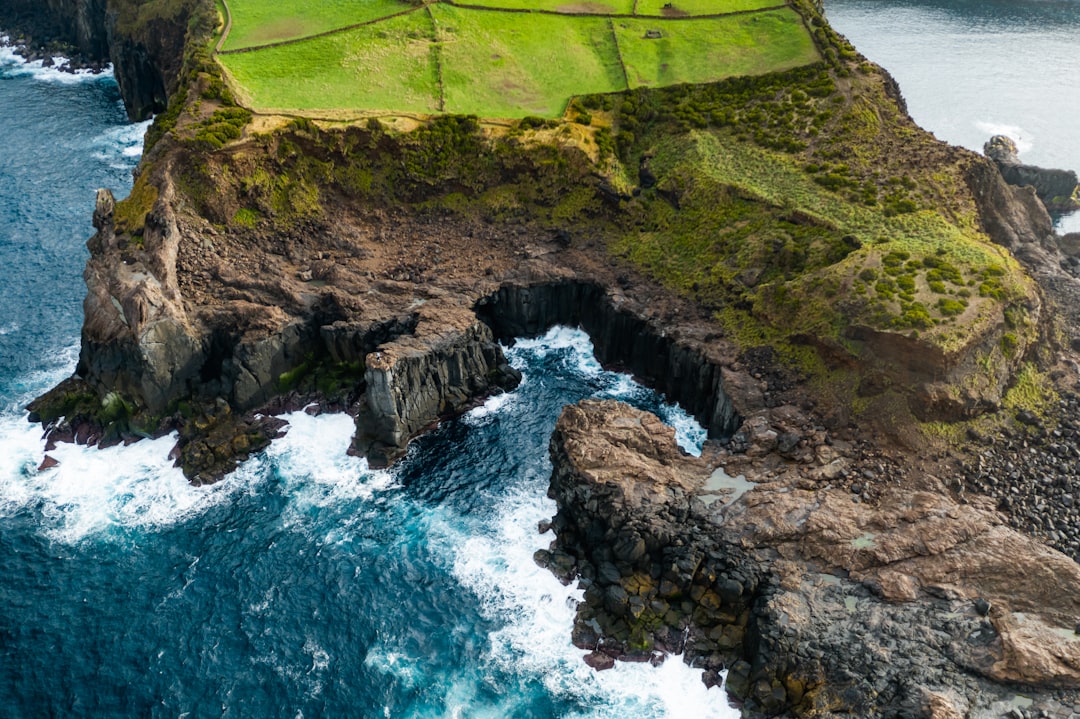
815, 603
104, 205
449, 360
1057, 189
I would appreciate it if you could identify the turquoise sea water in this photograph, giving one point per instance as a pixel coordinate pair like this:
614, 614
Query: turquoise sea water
305, 585
970, 69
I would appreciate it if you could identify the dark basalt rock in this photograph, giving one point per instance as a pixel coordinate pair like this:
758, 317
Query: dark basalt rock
675, 366
817, 604
146, 57
1058, 189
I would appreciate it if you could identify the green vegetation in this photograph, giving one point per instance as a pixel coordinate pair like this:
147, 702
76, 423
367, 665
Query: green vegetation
257, 22
129, 216
1032, 391
492, 63
683, 8
568, 7
700, 51
387, 65
748, 161
510, 65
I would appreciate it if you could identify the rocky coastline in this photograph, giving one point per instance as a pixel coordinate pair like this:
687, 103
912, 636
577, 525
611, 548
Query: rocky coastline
820, 599
1059, 190
872, 569
146, 57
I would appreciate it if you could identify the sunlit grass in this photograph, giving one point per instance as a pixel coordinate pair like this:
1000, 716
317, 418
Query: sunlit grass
258, 22
706, 50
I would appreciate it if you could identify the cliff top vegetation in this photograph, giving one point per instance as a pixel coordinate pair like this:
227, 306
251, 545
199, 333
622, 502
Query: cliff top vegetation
494, 58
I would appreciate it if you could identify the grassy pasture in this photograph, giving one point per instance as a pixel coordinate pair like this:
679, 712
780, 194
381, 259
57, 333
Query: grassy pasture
493, 63
387, 65
569, 7
509, 65
685, 8
707, 50
259, 22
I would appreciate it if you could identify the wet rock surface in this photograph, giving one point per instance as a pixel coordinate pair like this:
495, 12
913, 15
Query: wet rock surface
866, 590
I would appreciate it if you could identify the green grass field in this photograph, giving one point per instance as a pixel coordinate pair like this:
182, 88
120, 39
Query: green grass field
497, 65
683, 8
569, 7
257, 22
388, 65
493, 64
698, 51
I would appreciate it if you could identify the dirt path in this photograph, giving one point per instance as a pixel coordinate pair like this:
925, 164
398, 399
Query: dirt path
228, 27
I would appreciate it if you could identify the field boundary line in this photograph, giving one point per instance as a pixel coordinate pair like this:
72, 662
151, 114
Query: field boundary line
616, 16
436, 48
326, 33
228, 26
618, 53
478, 8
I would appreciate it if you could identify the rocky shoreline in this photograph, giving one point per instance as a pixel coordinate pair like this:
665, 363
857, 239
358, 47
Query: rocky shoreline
818, 603
866, 572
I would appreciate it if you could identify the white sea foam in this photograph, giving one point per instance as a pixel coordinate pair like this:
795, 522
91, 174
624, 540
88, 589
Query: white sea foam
95, 491
12, 63
121, 146
496, 563
559, 339
577, 355
312, 457
1024, 141
92, 491
491, 407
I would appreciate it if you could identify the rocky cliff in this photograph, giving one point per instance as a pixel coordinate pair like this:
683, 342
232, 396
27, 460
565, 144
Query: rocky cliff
145, 42
819, 601
1058, 189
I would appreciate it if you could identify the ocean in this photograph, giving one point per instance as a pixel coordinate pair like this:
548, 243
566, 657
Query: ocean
970, 69
305, 584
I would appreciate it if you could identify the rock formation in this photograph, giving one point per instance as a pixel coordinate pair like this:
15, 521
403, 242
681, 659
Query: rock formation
1058, 189
819, 604
146, 55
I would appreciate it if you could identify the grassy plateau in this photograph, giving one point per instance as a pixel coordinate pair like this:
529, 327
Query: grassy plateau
494, 58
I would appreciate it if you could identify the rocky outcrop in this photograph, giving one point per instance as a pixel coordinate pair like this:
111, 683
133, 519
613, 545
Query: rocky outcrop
448, 362
1058, 189
683, 365
1011, 216
817, 603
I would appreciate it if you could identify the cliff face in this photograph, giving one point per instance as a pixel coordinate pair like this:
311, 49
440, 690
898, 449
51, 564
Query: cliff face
146, 53
1058, 189
378, 265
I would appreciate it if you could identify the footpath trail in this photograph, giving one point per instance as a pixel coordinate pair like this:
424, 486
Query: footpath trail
228, 27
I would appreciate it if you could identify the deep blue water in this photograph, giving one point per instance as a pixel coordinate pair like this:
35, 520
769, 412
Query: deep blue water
60, 139
970, 69
304, 585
